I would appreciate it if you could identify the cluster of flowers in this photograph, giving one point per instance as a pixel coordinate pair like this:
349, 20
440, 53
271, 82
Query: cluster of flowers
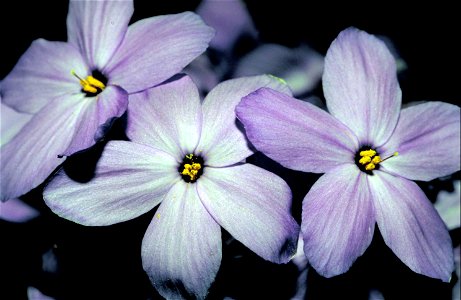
187, 155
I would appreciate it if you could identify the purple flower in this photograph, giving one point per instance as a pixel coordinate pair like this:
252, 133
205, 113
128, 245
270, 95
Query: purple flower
190, 157
356, 145
76, 89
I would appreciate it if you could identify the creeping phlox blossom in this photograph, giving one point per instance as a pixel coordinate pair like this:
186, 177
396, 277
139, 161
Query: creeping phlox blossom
190, 157
76, 89
369, 150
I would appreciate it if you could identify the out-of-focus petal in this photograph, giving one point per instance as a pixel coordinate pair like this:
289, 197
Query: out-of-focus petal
360, 86
96, 120
253, 205
427, 139
43, 73
181, 250
11, 122
300, 67
222, 142
156, 48
97, 28
338, 220
448, 205
295, 133
130, 179
28, 159
168, 117
411, 226
230, 19
17, 211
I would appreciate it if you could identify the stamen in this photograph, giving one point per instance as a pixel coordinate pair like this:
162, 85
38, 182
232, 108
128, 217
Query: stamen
393, 154
191, 167
368, 160
90, 84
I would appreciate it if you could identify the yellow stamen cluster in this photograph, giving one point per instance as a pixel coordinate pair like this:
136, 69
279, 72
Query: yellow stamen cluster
90, 84
370, 160
191, 169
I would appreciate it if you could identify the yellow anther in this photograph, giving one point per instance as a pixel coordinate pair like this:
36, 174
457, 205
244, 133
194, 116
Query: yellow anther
90, 84
364, 160
370, 166
376, 160
196, 166
369, 153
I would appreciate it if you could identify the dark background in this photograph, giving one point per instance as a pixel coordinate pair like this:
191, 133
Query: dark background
105, 262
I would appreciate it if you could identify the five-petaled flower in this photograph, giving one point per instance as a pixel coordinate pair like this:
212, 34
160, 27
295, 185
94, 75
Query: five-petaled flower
190, 157
76, 89
369, 149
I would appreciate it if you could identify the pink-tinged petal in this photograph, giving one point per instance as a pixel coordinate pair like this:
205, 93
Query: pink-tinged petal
230, 19
156, 48
181, 250
222, 142
43, 73
97, 28
15, 210
295, 133
11, 122
338, 220
411, 226
427, 139
130, 179
253, 205
28, 159
360, 85
300, 67
168, 117
448, 205
97, 117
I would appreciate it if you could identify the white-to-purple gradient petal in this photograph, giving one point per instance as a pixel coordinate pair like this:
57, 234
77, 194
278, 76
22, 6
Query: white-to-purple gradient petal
156, 48
16, 211
338, 220
360, 85
96, 119
42, 74
168, 117
222, 142
97, 28
254, 206
295, 133
181, 250
411, 226
427, 138
130, 179
11, 122
32, 154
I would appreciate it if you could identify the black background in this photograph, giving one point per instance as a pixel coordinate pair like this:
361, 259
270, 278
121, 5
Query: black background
104, 262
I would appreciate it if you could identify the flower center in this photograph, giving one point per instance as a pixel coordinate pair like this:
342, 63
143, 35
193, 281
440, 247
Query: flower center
367, 159
93, 84
191, 168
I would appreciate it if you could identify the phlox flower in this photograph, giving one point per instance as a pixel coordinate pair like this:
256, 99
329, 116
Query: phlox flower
188, 156
75, 89
370, 151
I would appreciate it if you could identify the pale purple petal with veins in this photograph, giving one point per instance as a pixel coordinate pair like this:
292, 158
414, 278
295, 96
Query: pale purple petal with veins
222, 142
168, 116
11, 122
157, 48
181, 250
43, 73
427, 139
253, 205
130, 179
338, 220
295, 133
97, 28
360, 85
16, 211
411, 226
